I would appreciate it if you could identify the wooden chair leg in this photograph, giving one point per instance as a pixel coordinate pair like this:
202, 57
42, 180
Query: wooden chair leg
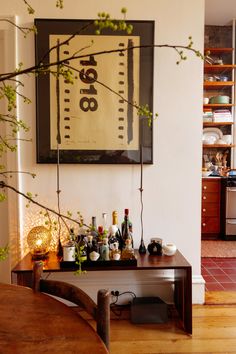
103, 316
63, 290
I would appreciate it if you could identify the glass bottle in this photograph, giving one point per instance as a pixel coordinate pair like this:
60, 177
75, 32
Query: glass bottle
94, 255
89, 244
126, 234
104, 224
81, 249
82, 232
112, 239
115, 253
104, 250
126, 213
115, 226
100, 234
127, 252
94, 231
72, 237
69, 248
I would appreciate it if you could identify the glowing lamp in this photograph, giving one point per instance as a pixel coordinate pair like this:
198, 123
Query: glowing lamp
38, 240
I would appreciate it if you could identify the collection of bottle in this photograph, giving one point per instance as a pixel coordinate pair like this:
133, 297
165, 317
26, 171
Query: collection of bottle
102, 242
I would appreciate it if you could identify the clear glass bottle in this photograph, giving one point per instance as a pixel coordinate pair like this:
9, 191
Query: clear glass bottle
115, 253
127, 252
104, 224
104, 250
82, 231
69, 247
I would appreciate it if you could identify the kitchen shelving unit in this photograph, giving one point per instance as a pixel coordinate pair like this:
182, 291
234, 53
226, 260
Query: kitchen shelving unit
220, 42
213, 88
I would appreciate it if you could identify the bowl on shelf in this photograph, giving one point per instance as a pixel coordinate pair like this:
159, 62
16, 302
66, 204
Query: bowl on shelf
206, 173
209, 140
224, 78
227, 138
220, 99
221, 142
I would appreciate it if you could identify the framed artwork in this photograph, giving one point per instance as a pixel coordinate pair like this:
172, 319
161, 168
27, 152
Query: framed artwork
91, 118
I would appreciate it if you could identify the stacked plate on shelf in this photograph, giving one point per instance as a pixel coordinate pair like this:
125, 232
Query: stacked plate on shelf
222, 115
212, 136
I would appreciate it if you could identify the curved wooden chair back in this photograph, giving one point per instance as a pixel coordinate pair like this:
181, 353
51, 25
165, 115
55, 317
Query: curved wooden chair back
100, 311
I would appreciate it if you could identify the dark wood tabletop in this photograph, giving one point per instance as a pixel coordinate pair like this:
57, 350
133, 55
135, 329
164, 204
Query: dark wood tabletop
144, 261
37, 323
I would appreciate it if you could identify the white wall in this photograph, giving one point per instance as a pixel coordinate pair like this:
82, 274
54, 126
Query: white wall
172, 185
219, 13
8, 209
3, 206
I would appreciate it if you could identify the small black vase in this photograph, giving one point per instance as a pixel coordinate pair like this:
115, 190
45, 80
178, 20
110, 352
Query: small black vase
142, 248
155, 247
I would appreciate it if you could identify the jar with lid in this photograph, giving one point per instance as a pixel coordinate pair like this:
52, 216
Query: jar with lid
155, 246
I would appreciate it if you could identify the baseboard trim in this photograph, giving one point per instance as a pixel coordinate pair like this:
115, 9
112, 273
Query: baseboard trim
143, 283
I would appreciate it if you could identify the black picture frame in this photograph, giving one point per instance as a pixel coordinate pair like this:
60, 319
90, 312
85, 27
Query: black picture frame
142, 138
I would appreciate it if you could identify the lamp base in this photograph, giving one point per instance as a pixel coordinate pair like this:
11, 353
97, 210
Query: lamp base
37, 257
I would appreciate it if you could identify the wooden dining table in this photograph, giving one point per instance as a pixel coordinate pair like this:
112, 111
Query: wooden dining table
33, 323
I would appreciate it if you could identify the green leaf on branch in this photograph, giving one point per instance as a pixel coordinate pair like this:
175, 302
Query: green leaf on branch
59, 4
29, 195
9, 93
144, 111
3, 253
2, 197
104, 22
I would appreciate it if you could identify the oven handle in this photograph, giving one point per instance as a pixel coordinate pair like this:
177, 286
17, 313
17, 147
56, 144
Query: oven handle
231, 222
231, 189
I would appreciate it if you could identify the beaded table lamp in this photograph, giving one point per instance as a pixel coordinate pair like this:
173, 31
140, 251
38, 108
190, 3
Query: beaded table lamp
39, 239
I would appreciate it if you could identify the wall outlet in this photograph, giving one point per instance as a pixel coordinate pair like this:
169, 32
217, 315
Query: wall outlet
115, 292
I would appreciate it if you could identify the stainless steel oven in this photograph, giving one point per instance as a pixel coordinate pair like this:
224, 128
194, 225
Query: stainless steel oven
229, 208
230, 211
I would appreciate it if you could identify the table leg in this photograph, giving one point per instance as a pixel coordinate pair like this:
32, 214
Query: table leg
183, 296
23, 279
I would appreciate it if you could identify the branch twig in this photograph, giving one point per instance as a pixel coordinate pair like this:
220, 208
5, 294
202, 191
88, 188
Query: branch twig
4, 185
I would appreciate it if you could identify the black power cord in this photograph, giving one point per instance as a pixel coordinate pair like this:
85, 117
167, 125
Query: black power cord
115, 306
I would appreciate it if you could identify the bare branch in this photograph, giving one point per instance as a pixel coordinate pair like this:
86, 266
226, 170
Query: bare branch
24, 30
66, 41
36, 69
29, 7
62, 216
5, 173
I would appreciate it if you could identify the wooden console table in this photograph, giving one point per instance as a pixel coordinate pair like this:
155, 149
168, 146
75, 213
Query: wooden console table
22, 275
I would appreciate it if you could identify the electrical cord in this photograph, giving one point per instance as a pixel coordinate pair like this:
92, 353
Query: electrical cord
114, 306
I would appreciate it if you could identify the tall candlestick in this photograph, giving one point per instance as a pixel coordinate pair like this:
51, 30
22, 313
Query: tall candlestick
142, 248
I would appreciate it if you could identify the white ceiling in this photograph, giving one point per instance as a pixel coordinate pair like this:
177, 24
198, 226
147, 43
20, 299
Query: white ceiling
219, 12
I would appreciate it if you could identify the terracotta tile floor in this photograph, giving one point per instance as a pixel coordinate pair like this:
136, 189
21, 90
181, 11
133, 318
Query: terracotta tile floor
219, 273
